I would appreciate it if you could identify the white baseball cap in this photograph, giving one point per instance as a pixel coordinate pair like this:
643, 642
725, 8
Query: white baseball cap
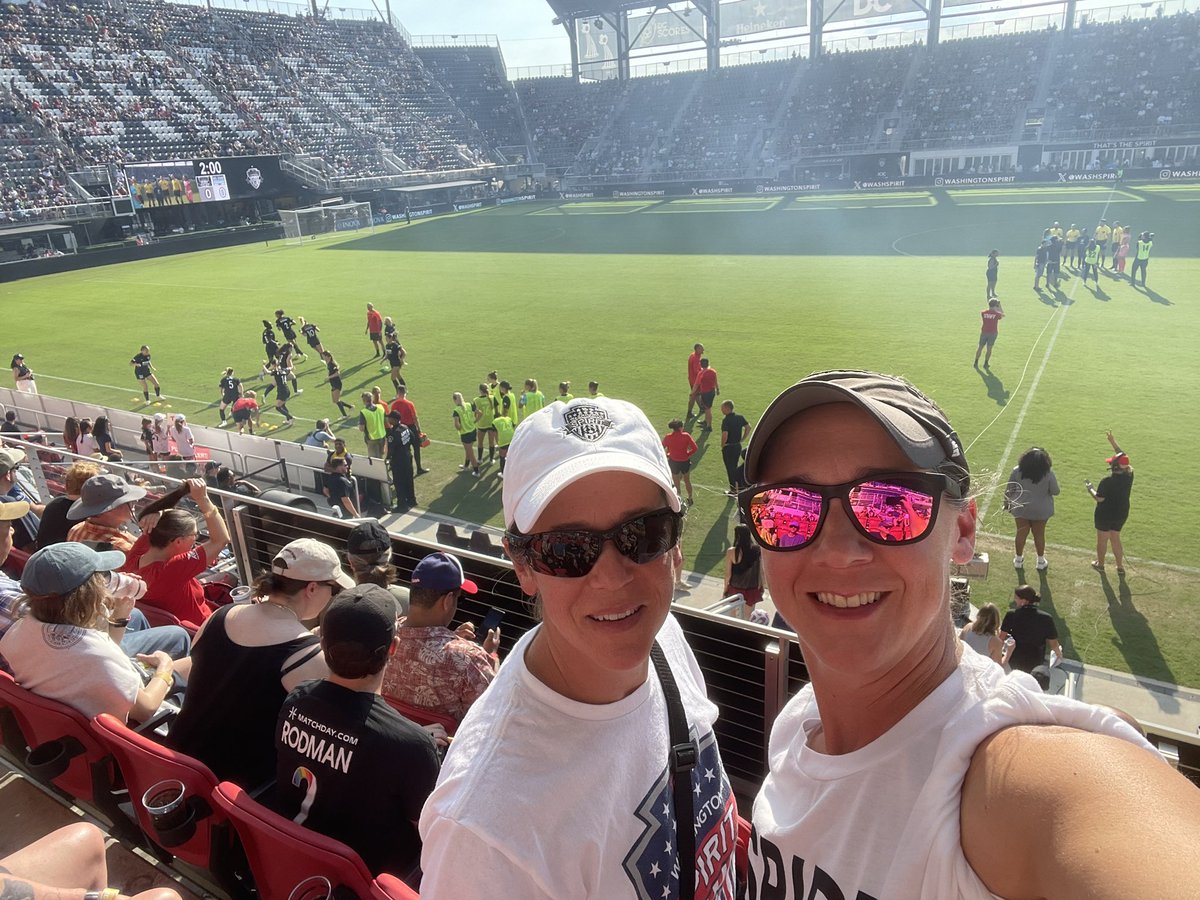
307, 559
564, 442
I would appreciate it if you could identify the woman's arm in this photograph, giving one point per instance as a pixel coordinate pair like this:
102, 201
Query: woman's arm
996, 650
1113, 441
218, 534
150, 697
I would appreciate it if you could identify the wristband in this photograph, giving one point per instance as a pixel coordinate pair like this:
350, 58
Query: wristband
167, 678
117, 623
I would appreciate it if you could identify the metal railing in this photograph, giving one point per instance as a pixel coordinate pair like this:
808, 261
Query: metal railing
455, 40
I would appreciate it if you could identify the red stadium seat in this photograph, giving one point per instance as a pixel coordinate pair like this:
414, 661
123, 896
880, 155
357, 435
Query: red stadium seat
206, 842
282, 854
61, 751
157, 616
423, 716
15, 564
741, 858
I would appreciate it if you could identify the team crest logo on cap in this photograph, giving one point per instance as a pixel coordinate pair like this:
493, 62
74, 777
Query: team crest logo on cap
588, 423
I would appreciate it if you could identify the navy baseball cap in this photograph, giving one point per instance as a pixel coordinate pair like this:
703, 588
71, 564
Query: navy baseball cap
442, 572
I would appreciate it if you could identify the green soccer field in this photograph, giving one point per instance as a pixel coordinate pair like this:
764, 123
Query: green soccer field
775, 287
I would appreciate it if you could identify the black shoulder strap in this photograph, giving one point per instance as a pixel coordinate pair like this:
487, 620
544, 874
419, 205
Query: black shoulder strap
681, 759
314, 647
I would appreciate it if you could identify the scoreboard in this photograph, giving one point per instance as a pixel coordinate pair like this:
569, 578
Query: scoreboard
181, 182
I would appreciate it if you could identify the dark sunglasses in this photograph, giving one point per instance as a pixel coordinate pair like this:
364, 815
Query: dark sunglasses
573, 553
890, 508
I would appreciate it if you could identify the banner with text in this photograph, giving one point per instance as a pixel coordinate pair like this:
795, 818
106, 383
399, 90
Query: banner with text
665, 27
752, 16
853, 10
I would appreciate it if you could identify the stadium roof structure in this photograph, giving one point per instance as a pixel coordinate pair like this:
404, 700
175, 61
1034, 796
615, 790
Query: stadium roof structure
435, 186
573, 9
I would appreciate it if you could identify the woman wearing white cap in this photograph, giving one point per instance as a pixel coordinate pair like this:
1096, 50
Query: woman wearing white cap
912, 766
246, 659
571, 740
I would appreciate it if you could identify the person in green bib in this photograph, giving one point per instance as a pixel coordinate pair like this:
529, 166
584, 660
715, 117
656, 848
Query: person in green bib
564, 392
464, 424
1144, 245
531, 400
504, 428
372, 424
484, 407
1091, 262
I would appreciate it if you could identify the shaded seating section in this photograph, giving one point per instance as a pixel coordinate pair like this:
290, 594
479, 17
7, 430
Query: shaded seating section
636, 139
476, 79
563, 115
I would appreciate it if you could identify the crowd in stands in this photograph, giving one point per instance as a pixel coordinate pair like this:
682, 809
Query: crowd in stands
88, 84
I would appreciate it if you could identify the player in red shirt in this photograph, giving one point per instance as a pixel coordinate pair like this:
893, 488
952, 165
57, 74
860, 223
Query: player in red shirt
375, 329
987, 334
693, 371
407, 411
707, 389
680, 446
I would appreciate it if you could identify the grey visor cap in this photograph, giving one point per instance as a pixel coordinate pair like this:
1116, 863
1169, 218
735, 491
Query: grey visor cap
914, 421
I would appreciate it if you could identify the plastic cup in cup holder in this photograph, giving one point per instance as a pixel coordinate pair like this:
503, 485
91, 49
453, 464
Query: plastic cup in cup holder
172, 815
316, 887
240, 594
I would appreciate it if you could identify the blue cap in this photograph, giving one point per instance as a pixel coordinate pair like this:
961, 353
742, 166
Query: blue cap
442, 572
60, 568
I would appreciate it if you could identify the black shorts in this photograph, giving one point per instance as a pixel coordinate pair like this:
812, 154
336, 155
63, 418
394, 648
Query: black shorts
227, 399
142, 374
242, 415
314, 342
706, 399
290, 335
335, 384
491, 429
281, 395
680, 466
468, 438
376, 336
987, 340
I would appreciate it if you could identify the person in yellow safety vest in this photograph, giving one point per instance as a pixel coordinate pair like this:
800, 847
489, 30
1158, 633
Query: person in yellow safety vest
1101, 236
372, 424
463, 418
1115, 242
484, 408
1144, 245
1091, 262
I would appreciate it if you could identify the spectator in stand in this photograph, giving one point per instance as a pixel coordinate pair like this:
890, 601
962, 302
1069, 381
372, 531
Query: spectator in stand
64, 647
743, 570
680, 447
369, 553
85, 444
983, 636
693, 371
1029, 496
147, 437
372, 423
10, 590
338, 486
408, 417
170, 557
104, 512
70, 434
68, 862
102, 432
707, 389
248, 657
227, 480
22, 376
368, 788
433, 667
897, 723
1112, 506
9, 425
245, 411
55, 524
160, 440
593, 525
1031, 629
375, 330
14, 488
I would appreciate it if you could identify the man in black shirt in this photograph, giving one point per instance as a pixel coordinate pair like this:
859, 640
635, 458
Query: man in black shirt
734, 430
1032, 630
338, 486
10, 425
399, 456
349, 766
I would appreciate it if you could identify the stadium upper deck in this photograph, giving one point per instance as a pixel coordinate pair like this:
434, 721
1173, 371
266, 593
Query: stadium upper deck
88, 85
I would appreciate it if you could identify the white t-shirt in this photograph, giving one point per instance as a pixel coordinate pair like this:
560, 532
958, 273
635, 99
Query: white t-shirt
81, 667
883, 821
544, 797
86, 445
184, 442
159, 441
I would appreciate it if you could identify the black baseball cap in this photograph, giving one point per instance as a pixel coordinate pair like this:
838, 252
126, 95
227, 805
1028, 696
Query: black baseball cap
357, 630
368, 538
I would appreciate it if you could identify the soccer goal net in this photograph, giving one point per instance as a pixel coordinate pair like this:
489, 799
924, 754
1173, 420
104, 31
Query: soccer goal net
302, 224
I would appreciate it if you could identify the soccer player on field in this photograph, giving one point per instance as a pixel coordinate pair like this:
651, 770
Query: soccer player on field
231, 390
375, 330
312, 336
463, 418
143, 371
564, 392
506, 402
693, 369
335, 383
1091, 262
504, 428
988, 332
531, 400
1115, 240
993, 273
270, 342
394, 355
484, 408
680, 447
288, 328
